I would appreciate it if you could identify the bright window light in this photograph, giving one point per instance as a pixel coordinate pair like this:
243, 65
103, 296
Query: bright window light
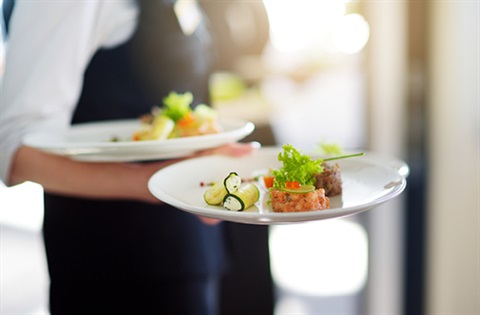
323, 258
321, 26
290, 306
296, 25
188, 15
22, 206
351, 34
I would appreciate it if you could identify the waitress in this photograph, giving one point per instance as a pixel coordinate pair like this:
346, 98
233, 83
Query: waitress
112, 248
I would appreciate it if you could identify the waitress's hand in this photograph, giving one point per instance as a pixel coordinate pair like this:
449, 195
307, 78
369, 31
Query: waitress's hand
209, 221
231, 149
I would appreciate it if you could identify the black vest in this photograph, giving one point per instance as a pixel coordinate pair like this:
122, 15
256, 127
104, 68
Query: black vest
125, 82
111, 238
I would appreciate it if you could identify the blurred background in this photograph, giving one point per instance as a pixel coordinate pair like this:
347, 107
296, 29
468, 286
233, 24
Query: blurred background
400, 78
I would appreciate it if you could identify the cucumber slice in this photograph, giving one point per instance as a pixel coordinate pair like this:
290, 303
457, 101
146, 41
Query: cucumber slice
243, 198
302, 190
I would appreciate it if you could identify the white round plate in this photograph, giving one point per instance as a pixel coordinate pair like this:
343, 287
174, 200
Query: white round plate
368, 181
93, 141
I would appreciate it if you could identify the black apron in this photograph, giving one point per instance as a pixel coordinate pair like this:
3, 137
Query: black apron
122, 246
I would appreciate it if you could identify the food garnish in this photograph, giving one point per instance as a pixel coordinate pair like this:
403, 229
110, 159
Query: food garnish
177, 106
268, 180
298, 169
292, 187
298, 189
342, 157
302, 183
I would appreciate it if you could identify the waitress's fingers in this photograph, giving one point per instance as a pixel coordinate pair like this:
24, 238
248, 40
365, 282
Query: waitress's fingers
209, 221
232, 149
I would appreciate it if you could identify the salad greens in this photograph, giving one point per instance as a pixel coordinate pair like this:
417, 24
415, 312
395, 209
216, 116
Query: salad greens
297, 167
177, 105
300, 168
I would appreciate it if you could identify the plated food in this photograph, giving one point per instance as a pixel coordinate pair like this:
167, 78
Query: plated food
330, 179
231, 194
300, 184
304, 183
175, 131
367, 182
93, 141
177, 119
294, 201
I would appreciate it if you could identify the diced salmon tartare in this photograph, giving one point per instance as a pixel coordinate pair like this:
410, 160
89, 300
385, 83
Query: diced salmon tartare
283, 201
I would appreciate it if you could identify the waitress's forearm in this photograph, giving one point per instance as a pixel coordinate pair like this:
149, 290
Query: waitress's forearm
62, 175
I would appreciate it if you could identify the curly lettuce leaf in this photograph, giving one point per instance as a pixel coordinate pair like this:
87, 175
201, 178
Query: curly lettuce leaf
296, 167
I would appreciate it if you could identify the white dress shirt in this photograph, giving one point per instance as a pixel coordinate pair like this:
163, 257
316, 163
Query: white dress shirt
49, 47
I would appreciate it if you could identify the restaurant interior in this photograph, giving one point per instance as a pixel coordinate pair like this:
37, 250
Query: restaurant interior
398, 78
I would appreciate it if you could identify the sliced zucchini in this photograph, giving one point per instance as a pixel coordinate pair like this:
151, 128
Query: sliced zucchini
215, 194
243, 198
232, 182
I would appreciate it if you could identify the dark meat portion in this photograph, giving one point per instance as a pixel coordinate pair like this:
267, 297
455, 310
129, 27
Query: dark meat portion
330, 179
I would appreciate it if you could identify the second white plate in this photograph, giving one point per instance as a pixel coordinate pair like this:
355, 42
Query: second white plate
92, 141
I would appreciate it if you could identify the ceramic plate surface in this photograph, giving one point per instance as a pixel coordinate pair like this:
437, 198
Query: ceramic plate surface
368, 181
93, 141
